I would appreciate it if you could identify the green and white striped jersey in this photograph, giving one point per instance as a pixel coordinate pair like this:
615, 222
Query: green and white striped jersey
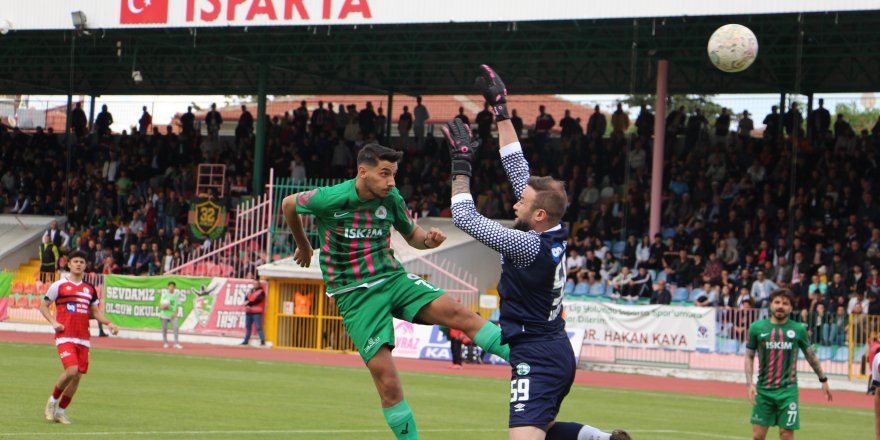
355, 235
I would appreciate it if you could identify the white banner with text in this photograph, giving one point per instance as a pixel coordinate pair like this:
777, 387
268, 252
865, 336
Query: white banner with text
643, 326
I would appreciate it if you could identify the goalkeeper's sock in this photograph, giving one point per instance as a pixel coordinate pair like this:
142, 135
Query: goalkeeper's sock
401, 421
489, 338
575, 431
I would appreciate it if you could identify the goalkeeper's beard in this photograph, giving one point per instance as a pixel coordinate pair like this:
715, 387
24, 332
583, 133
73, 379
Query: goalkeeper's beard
522, 225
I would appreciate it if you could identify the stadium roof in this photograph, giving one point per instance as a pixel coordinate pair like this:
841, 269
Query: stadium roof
837, 52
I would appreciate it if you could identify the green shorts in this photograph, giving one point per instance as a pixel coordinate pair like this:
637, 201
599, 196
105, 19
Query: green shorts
367, 312
777, 408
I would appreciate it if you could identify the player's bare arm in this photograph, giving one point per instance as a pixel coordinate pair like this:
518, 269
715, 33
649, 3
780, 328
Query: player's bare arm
811, 358
750, 374
422, 239
99, 316
44, 309
303, 252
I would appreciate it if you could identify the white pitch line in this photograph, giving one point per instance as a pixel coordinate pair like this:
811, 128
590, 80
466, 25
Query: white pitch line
232, 432
679, 433
321, 432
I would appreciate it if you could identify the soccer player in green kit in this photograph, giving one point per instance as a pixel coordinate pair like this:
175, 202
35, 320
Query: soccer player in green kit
777, 340
354, 221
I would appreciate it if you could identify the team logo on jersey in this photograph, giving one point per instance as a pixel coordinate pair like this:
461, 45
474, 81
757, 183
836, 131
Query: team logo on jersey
86, 290
523, 369
557, 250
792, 406
381, 213
790, 333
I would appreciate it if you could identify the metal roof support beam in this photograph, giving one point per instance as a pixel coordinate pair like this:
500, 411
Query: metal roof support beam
260, 140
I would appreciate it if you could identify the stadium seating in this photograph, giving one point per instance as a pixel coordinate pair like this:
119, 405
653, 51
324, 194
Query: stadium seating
597, 289
680, 294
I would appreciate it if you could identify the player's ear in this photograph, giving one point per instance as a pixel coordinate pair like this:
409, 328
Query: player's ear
539, 215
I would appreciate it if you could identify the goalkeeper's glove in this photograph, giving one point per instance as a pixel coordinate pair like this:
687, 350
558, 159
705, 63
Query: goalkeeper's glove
494, 90
462, 146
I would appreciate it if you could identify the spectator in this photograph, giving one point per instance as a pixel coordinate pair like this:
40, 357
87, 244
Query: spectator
404, 125
420, 118
645, 123
518, 123
640, 285
619, 122
661, 294
761, 290
253, 307
145, 123
169, 306
484, 123
49, 259
78, 121
708, 296
213, 119
103, 122
621, 286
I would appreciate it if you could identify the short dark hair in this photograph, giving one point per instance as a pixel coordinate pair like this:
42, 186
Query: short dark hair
372, 153
792, 299
172, 283
550, 196
77, 254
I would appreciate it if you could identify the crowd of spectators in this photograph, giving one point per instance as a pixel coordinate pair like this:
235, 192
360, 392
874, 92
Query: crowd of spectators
742, 214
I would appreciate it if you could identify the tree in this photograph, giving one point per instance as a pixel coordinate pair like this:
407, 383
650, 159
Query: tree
690, 102
858, 119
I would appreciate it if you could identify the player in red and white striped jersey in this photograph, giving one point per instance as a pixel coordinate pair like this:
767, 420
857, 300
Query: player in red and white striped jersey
75, 300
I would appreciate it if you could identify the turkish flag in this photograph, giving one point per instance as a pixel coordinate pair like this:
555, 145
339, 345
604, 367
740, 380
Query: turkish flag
143, 11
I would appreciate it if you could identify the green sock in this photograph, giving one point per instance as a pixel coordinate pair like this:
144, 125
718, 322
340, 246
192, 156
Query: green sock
445, 330
489, 338
400, 419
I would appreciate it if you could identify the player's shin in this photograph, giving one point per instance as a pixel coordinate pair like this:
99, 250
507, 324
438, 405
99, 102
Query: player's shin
401, 421
489, 339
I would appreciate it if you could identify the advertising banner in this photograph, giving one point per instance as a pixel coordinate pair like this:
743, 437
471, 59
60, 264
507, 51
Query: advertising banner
655, 326
5, 289
133, 302
209, 305
112, 14
221, 309
428, 342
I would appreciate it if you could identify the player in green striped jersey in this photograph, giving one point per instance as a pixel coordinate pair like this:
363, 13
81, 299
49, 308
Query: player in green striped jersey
354, 221
777, 341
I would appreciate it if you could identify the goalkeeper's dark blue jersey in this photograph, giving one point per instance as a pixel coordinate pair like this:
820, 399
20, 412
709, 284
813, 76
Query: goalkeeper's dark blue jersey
532, 263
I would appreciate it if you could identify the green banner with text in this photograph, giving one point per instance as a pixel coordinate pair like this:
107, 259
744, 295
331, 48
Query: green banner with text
133, 302
5, 284
5, 289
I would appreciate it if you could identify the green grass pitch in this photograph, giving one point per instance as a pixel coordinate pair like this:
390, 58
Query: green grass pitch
140, 395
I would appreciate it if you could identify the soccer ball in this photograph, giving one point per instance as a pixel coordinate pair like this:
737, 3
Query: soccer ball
165, 305
733, 48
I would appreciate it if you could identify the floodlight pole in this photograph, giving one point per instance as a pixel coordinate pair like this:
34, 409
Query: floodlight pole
67, 127
659, 143
260, 138
91, 113
388, 119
